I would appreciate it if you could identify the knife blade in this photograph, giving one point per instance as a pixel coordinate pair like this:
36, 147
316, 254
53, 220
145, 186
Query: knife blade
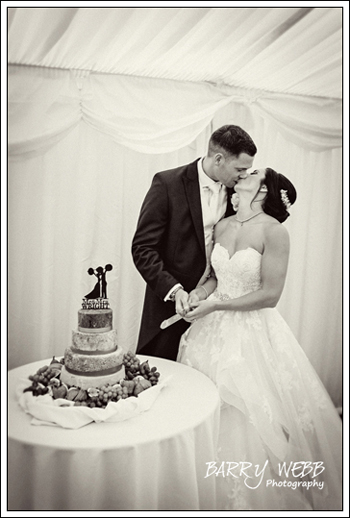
170, 321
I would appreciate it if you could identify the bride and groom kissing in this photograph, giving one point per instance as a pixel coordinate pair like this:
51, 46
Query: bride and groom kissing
223, 271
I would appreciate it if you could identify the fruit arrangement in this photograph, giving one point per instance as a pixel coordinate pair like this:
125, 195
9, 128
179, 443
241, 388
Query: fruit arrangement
133, 369
45, 378
138, 377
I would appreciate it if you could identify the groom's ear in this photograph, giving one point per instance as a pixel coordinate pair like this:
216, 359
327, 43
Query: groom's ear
218, 158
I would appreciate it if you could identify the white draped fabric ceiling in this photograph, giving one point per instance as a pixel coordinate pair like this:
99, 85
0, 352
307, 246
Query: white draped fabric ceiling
100, 99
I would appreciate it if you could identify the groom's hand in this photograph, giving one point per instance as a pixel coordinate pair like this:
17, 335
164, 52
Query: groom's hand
181, 302
193, 301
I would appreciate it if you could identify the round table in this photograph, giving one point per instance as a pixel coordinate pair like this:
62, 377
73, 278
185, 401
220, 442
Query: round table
154, 461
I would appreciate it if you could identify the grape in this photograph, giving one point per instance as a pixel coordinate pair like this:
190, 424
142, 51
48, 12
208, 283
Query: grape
108, 393
131, 364
133, 368
40, 380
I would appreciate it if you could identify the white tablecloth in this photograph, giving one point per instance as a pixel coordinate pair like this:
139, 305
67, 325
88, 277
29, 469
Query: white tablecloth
154, 461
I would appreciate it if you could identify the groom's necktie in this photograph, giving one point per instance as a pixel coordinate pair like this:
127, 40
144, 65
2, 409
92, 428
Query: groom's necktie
213, 211
214, 200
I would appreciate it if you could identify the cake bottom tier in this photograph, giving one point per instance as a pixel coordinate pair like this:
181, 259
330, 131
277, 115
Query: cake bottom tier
93, 364
95, 381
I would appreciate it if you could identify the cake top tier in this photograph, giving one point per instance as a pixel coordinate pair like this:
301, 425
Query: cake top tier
91, 320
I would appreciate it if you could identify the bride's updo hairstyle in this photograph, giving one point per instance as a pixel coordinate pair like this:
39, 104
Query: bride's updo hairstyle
281, 194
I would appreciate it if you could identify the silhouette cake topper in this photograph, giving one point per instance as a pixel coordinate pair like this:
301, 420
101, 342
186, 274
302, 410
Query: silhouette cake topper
97, 298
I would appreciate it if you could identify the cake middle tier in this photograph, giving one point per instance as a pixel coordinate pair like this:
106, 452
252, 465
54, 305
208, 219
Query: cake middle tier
94, 343
98, 364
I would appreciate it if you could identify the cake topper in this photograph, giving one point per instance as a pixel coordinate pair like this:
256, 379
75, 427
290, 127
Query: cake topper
97, 298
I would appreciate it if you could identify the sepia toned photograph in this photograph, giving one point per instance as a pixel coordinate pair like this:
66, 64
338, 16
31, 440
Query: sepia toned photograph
173, 178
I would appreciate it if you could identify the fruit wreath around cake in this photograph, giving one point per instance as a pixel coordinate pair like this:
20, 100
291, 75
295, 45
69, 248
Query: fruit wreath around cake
139, 376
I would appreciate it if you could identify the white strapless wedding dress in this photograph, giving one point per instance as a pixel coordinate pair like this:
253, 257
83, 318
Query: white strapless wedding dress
274, 407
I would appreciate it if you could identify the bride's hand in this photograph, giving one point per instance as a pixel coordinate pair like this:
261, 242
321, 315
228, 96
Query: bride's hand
193, 302
193, 299
204, 307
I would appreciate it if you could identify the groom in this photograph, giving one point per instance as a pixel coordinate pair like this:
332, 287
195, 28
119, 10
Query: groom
173, 241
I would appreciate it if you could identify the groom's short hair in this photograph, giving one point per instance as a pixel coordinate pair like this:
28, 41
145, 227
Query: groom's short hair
231, 139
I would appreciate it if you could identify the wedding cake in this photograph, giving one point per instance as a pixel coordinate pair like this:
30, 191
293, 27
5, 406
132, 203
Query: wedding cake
94, 359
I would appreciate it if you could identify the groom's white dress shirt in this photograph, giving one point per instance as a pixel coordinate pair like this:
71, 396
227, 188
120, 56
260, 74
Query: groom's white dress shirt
214, 201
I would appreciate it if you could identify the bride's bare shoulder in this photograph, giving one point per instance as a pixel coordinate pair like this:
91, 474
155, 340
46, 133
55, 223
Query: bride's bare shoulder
276, 232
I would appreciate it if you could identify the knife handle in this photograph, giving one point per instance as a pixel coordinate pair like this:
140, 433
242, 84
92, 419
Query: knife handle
170, 321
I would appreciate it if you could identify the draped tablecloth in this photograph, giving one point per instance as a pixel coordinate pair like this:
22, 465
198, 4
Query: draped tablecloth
154, 461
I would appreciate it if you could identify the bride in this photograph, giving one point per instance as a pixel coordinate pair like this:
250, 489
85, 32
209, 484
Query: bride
280, 434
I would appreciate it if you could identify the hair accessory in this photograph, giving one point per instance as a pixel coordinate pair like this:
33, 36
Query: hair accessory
235, 201
285, 199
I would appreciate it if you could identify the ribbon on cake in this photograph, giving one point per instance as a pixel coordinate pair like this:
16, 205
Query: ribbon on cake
60, 412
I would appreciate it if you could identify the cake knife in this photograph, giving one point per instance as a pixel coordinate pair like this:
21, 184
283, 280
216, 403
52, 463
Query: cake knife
170, 321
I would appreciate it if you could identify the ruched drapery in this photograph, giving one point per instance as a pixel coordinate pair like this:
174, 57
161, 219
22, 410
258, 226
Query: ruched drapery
149, 115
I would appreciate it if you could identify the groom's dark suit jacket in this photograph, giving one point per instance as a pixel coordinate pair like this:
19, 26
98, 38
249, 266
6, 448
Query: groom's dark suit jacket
168, 248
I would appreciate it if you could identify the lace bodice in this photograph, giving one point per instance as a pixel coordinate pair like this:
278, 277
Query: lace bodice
236, 275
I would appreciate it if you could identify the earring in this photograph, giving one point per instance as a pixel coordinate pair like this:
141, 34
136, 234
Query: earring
263, 188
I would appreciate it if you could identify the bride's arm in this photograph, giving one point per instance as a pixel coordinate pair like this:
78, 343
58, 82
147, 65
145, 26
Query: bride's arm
204, 290
273, 274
